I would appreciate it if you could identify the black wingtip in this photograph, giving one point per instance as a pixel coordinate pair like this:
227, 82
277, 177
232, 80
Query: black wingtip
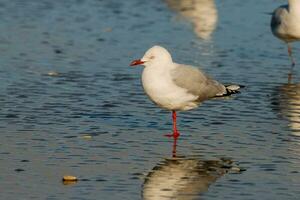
230, 92
231, 89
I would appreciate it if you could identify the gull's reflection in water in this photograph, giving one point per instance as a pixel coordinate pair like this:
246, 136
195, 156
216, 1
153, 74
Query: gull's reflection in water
182, 177
202, 13
287, 103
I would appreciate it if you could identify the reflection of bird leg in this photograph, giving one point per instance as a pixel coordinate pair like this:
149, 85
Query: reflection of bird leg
291, 54
174, 148
290, 77
290, 74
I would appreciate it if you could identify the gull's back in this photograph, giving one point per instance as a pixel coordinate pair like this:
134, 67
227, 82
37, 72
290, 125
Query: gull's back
196, 82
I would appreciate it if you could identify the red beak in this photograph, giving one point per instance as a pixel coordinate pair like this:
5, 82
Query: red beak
136, 62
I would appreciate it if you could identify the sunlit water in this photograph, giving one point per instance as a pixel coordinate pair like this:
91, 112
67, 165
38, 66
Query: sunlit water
71, 105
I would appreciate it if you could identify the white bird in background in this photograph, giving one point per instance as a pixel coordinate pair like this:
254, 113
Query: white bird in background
285, 24
177, 87
202, 13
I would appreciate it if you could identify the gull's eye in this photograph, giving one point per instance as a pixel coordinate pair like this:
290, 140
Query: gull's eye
152, 57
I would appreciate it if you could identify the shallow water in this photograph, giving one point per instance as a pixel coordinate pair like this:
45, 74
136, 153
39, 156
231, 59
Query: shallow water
71, 105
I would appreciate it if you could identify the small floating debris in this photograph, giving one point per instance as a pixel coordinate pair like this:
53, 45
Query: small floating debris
107, 29
100, 180
52, 73
58, 51
100, 39
69, 180
19, 170
12, 116
236, 169
86, 137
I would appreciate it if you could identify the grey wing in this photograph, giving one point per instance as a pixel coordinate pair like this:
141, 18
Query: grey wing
196, 82
277, 16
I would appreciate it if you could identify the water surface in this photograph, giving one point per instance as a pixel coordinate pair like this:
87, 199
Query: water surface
71, 105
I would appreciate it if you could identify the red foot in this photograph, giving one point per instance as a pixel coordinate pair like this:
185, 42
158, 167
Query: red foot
174, 135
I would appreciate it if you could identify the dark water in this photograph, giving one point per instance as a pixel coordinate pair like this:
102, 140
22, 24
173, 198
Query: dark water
71, 105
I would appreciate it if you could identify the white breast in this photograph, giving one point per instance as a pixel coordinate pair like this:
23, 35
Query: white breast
289, 29
160, 88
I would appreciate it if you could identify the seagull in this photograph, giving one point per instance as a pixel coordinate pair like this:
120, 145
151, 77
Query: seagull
285, 24
177, 87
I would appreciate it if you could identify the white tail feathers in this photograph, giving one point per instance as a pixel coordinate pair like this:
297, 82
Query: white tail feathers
231, 89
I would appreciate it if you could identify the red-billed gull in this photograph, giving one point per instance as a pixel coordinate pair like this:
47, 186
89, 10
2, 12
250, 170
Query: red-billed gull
177, 87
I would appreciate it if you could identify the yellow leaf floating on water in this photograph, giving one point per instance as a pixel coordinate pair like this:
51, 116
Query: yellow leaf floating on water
87, 137
52, 73
68, 180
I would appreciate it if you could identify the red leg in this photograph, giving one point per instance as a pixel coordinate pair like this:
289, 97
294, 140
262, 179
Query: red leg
175, 134
175, 131
291, 54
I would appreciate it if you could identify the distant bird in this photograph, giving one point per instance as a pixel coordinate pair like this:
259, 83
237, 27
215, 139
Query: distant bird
285, 24
203, 14
177, 87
